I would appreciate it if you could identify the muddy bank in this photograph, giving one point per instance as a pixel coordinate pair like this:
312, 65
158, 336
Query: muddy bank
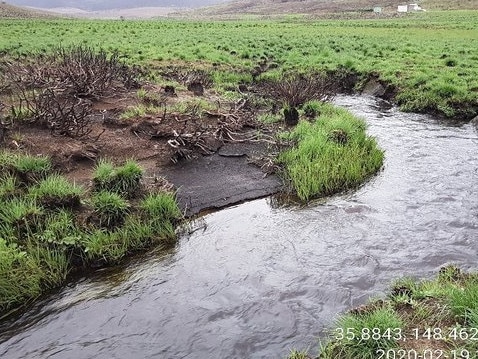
207, 171
222, 179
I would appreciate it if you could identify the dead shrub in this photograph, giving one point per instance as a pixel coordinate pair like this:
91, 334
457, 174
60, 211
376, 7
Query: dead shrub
3, 125
68, 116
57, 90
294, 89
188, 76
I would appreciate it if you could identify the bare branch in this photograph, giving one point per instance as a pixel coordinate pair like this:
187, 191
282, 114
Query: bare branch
296, 89
57, 90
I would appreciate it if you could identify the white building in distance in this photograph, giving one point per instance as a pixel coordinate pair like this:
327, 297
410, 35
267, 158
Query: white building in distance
409, 8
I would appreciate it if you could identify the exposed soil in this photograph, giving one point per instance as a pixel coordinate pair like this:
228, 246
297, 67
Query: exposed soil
205, 155
222, 179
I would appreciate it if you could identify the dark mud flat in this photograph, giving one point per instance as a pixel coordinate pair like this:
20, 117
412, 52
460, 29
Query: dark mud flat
222, 179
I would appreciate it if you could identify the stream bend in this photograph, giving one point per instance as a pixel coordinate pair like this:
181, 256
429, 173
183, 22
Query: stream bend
256, 281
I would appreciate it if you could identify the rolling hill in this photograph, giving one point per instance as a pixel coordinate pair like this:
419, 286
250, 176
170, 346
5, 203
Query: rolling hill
8, 11
318, 7
326, 8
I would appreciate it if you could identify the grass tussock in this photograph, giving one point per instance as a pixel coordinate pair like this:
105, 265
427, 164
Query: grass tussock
434, 317
331, 154
110, 207
124, 180
57, 191
50, 227
27, 168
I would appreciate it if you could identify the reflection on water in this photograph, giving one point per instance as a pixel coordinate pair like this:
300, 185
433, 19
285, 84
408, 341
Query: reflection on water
255, 280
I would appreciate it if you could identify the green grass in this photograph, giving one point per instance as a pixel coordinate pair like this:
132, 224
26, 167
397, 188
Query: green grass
104, 245
8, 186
269, 118
429, 57
194, 107
19, 113
311, 109
361, 335
31, 169
103, 174
464, 302
294, 354
162, 210
60, 230
438, 315
20, 276
127, 178
110, 207
7, 159
56, 190
331, 154
50, 227
161, 205
124, 180
53, 263
29, 163
140, 111
19, 217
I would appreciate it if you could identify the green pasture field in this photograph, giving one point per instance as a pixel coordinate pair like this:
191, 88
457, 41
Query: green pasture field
431, 57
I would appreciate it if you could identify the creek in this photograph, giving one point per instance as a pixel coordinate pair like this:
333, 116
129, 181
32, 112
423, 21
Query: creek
256, 280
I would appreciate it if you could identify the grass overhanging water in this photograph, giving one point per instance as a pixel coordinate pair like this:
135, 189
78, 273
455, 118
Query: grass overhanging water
331, 154
434, 318
50, 227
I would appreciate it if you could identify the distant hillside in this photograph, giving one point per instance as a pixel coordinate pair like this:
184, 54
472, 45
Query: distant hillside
327, 8
317, 7
450, 4
100, 5
14, 12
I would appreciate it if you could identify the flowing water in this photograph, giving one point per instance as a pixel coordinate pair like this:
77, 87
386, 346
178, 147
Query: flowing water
255, 280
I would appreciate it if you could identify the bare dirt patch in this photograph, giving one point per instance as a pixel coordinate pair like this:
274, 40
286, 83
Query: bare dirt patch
78, 106
206, 156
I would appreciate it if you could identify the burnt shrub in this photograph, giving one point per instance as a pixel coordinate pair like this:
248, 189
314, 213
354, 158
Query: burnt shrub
57, 90
295, 89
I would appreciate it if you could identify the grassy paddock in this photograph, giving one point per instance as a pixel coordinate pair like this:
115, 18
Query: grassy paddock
430, 57
332, 153
50, 227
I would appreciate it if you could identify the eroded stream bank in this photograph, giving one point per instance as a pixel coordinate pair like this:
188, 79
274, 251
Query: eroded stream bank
256, 281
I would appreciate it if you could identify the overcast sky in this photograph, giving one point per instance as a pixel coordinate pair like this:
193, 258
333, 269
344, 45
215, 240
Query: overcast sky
111, 4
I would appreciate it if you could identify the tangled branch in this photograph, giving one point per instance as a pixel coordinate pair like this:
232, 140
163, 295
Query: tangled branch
296, 89
57, 90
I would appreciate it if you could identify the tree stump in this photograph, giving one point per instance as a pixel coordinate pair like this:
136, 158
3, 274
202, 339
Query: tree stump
169, 90
291, 116
197, 88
